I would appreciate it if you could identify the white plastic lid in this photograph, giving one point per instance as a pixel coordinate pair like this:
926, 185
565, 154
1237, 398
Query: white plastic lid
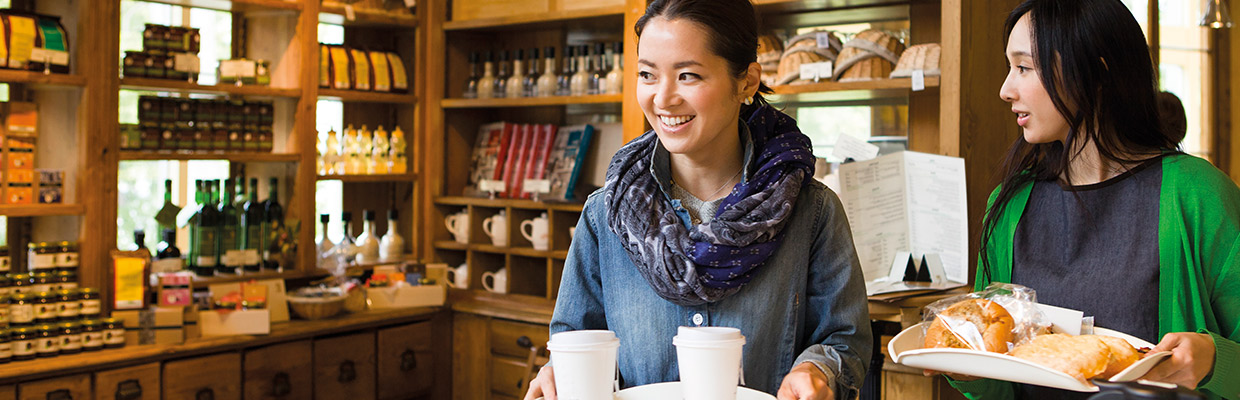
708, 336
583, 340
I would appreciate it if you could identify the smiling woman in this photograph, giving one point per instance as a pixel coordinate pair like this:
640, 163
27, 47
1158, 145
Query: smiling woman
694, 224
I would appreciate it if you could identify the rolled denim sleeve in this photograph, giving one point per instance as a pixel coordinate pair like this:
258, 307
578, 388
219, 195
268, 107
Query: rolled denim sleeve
837, 317
579, 304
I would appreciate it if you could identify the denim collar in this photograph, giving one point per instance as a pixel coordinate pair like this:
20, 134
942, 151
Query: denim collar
661, 164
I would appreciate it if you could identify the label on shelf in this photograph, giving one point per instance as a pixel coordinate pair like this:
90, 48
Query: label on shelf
537, 186
817, 71
491, 185
919, 80
824, 40
349, 13
55, 57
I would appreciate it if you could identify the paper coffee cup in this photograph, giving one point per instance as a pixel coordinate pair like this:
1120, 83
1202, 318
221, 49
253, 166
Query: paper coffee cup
585, 364
710, 362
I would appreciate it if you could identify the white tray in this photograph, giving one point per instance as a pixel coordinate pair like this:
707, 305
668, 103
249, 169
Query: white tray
906, 349
671, 391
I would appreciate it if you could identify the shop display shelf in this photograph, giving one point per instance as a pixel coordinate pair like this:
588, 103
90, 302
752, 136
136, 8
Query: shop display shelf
41, 210
335, 12
218, 279
832, 86
42, 79
236, 5
370, 178
172, 85
233, 157
532, 101
358, 96
514, 203
555, 17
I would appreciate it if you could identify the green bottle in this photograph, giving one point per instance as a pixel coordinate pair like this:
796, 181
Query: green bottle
230, 235
252, 230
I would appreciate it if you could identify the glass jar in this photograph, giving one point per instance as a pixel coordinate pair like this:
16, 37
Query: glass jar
92, 335
91, 305
21, 309
45, 307
67, 256
23, 340
6, 284
41, 282
64, 280
70, 335
6, 347
6, 261
19, 283
4, 311
69, 304
113, 333
47, 344
41, 256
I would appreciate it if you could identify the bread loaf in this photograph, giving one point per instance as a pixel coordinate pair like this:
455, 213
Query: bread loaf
991, 320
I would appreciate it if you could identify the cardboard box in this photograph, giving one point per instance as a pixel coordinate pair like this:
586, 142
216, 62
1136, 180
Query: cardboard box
407, 296
277, 301
242, 322
155, 317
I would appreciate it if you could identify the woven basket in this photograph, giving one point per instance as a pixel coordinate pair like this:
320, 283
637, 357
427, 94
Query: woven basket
923, 57
804, 49
770, 48
870, 55
327, 303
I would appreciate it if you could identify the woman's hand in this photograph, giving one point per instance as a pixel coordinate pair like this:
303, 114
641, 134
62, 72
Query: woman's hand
805, 382
543, 385
1192, 358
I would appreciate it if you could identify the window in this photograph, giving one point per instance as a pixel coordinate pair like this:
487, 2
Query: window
329, 115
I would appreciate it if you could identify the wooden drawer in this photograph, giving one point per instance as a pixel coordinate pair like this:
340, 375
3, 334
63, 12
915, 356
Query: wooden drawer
75, 386
133, 383
217, 376
504, 336
506, 375
344, 367
8, 392
406, 366
282, 371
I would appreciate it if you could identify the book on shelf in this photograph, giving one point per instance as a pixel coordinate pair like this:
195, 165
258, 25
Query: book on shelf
541, 150
516, 185
515, 138
572, 144
490, 148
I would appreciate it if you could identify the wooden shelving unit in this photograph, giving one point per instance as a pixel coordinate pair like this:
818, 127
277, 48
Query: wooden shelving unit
232, 157
236, 5
358, 96
524, 21
202, 281
169, 85
334, 12
532, 101
39, 78
510, 203
370, 178
41, 210
904, 84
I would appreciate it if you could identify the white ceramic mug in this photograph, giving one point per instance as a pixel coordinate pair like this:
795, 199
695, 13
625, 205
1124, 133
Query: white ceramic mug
496, 226
537, 232
458, 225
458, 278
498, 281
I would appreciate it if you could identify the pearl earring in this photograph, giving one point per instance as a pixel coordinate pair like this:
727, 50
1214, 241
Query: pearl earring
747, 101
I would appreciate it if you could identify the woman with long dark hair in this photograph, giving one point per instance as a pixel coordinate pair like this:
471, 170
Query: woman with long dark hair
713, 219
1098, 212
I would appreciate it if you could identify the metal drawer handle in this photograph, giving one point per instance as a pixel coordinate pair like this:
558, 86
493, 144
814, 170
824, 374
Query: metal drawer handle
280, 386
60, 394
525, 342
348, 372
205, 394
408, 361
129, 390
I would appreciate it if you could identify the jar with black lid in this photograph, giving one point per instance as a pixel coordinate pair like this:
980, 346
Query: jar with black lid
21, 309
47, 342
92, 335
6, 261
42, 256
91, 305
23, 340
19, 283
6, 346
6, 284
70, 335
4, 310
69, 304
113, 333
41, 282
45, 307
67, 256
64, 280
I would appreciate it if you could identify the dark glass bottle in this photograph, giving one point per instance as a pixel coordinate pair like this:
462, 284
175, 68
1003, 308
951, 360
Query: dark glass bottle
230, 239
139, 241
191, 257
168, 246
252, 229
273, 223
208, 232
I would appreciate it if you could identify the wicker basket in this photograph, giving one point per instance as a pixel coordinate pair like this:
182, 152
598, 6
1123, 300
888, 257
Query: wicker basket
316, 303
924, 57
804, 49
870, 55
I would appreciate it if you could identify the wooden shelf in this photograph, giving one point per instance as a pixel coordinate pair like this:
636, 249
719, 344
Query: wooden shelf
236, 5
486, 248
170, 85
370, 178
371, 265
334, 12
532, 101
787, 6
211, 280
514, 203
533, 19
233, 157
39, 78
358, 96
878, 84
41, 210
450, 245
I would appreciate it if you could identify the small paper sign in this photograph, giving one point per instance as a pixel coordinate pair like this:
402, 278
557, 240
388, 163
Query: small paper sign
848, 146
826, 69
809, 72
349, 13
537, 185
824, 40
490, 185
919, 80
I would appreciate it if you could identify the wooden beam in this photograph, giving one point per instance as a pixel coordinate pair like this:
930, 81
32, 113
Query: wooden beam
632, 118
302, 139
98, 49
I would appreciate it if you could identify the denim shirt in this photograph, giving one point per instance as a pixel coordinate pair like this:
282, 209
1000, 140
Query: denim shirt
806, 304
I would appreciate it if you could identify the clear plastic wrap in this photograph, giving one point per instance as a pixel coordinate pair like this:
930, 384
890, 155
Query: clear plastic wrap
972, 321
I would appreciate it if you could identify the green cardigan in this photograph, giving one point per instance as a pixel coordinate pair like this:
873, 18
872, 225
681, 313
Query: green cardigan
1199, 267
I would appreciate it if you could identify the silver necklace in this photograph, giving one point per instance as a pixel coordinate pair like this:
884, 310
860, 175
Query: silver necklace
725, 184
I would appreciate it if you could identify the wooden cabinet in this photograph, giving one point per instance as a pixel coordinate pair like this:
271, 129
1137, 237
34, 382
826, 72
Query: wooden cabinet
132, 383
488, 359
63, 388
344, 367
282, 371
406, 365
507, 375
507, 337
8, 392
215, 377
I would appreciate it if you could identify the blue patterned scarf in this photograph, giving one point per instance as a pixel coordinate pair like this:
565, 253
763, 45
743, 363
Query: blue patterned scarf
709, 261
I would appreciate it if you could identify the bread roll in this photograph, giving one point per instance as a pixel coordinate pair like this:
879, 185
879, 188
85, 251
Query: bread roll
992, 321
1082, 357
1122, 356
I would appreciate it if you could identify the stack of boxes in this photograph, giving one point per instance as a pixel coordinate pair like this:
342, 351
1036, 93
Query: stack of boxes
200, 125
169, 52
23, 184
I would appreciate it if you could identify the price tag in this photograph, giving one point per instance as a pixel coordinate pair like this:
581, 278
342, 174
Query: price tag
349, 14
490, 185
919, 80
809, 72
537, 186
824, 40
826, 69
